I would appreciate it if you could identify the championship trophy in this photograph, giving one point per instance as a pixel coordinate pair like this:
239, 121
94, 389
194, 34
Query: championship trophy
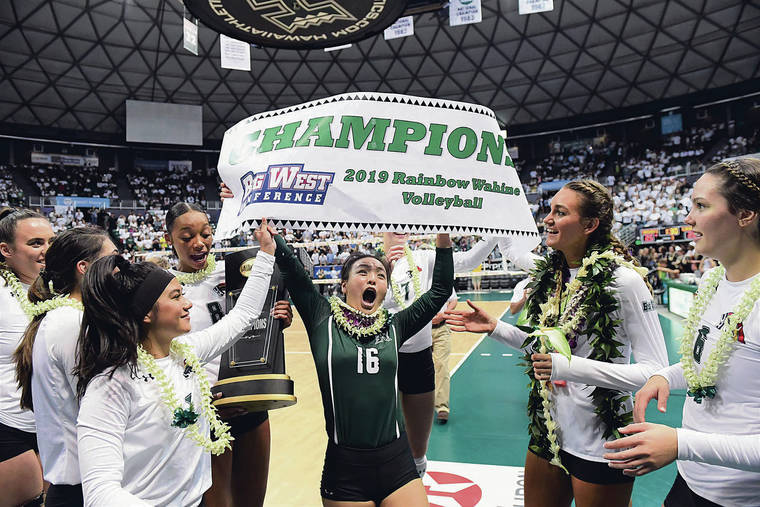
252, 374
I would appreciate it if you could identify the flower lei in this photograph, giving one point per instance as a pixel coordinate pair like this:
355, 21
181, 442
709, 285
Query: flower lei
416, 283
589, 311
18, 292
187, 418
358, 324
191, 278
51, 304
31, 310
703, 384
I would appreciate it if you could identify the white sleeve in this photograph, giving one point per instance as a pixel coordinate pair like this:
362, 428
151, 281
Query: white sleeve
642, 327
214, 340
64, 349
509, 335
674, 375
733, 451
102, 421
464, 262
526, 261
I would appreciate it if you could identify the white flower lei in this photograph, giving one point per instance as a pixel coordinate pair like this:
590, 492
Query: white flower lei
416, 283
568, 322
380, 317
702, 384
191, 278
31, 310
56, 302
18, 292
572, 315
221, 430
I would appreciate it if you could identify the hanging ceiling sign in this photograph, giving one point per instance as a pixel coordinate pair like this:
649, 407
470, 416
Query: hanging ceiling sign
297, 24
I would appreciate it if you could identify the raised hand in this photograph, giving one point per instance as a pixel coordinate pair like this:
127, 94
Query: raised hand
225, 192
264, 235
284, 312
394, 253
443, 241
476, 321
657, 387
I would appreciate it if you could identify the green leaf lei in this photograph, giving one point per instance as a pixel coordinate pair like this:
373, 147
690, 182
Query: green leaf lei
30, 309
358, 324
597, 305
187, 418
416, 283
703, 384
191, 278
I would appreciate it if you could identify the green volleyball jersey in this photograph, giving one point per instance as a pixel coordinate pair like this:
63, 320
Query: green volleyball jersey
358, 379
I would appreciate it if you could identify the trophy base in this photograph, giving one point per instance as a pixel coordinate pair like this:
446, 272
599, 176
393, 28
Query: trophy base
255, 393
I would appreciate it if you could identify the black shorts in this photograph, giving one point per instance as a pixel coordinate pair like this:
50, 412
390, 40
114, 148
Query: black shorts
595, 472
363, 475
242, 424
681, 495
416, 372
14, 442
64, 495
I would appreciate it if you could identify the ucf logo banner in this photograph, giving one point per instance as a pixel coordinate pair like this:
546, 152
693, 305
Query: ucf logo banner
376, 162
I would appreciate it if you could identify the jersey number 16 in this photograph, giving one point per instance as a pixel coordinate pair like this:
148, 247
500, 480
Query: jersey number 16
373, 362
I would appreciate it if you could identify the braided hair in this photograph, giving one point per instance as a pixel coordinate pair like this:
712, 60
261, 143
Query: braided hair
596, 202
741, 184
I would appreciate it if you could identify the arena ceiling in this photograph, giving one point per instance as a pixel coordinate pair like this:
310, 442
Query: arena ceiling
72, 64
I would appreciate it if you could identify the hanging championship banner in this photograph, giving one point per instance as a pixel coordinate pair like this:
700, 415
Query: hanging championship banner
374, 162
403, 27
235, 54
190, 35
464, 12
534, 6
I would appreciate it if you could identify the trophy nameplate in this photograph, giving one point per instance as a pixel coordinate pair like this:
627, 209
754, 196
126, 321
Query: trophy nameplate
252, 373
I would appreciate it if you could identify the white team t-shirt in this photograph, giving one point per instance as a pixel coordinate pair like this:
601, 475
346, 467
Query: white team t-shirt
735, 409
129, 453
579, 429
54, 388
13, 322
425, 261
208, 298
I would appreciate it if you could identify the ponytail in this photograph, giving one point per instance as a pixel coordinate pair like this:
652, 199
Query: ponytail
110, 332
58, 278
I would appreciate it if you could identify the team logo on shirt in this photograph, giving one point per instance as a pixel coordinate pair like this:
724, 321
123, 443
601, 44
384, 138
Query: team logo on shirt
285, 183
699, 343
219, 290
739, 328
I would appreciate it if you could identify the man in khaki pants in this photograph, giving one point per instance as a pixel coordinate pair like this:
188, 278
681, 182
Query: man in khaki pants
441, 352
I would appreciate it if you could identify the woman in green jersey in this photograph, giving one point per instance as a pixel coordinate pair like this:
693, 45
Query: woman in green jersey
355, 348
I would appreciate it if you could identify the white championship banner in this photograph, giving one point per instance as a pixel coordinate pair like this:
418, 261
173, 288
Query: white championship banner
374, 162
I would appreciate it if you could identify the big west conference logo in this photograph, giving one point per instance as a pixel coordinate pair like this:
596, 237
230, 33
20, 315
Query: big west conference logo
285, 183
298, 14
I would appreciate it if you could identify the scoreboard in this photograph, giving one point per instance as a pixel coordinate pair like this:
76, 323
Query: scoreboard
664, 234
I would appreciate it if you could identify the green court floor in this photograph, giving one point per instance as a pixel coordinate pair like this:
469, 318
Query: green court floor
488, 423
